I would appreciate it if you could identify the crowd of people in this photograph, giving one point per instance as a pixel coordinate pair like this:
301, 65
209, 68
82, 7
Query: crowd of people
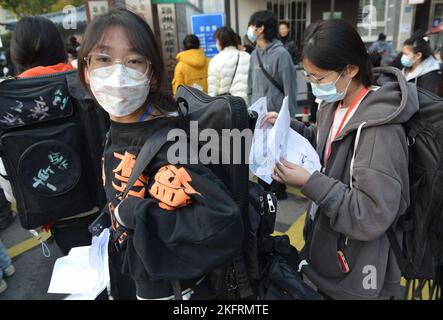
361, 190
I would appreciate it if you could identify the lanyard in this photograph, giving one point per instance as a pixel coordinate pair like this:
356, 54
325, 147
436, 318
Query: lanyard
147, 113
353, 105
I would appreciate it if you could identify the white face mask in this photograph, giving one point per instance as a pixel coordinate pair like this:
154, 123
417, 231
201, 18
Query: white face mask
250, 34
119, 94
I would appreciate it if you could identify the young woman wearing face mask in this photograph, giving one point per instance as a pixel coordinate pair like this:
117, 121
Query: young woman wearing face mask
363, 186
420, 66
120, 63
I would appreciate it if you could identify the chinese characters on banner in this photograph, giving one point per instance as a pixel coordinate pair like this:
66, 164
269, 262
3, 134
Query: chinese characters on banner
142, 8
168, 31
95, 8
204, 27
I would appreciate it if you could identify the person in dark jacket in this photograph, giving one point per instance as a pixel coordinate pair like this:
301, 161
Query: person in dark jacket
248, 44
173, 222
363, 186
384, 49
288, 42
275, 77
420, 66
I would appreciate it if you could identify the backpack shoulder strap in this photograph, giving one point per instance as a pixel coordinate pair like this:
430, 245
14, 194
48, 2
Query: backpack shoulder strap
267, 75
406, 267
235, 72
145, 156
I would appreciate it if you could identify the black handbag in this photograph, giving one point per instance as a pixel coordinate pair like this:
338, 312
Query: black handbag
281, 280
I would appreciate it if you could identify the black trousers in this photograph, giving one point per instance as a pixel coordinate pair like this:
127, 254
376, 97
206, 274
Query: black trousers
122, 285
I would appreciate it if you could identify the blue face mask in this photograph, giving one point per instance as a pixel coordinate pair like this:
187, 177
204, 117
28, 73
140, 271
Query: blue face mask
328, 91
406, 62
250, 34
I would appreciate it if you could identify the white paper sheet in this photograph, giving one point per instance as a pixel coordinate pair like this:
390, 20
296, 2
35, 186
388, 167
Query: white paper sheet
84, 271
300, 152
278, 136
260, 164
268, 146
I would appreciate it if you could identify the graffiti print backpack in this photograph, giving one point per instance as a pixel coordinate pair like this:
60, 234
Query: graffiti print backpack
51, 143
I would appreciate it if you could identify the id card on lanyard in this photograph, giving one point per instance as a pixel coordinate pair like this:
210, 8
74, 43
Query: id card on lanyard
332, 136
314, 207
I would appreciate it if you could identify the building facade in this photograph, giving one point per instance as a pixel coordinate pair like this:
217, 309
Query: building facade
171, 19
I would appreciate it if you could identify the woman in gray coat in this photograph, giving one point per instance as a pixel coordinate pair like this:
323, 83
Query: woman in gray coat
363, 186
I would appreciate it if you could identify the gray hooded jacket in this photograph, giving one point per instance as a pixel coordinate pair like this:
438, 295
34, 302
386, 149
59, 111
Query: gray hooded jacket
278, 63
355, 220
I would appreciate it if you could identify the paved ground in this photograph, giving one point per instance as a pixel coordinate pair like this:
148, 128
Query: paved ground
33, 274
33, 270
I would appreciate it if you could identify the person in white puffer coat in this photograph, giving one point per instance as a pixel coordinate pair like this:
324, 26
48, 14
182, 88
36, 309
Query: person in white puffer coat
228, 70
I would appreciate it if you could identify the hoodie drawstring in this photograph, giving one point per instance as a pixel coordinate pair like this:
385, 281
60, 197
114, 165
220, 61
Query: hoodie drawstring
357, 138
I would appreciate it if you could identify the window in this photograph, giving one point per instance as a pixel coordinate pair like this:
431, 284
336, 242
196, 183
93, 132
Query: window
377, 16
295, 12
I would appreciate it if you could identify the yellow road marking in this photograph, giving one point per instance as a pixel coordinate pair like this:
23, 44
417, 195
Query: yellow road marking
424, 292
26, 245
295, 191
295, 232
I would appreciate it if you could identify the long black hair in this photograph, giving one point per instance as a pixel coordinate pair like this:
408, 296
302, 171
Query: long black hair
36, 42
334, 44
419, 44
141, 38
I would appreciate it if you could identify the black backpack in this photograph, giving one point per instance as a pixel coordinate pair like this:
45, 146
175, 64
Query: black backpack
266, 265
420, 255
266, 268
51, 142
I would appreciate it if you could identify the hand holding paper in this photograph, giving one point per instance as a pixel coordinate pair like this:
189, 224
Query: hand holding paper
290, 174
280, 141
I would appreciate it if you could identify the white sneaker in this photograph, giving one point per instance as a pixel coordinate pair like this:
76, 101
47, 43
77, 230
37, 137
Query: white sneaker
3, 286
9, 271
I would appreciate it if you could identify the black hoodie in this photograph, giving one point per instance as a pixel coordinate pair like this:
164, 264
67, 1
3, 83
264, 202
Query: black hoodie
177, 223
